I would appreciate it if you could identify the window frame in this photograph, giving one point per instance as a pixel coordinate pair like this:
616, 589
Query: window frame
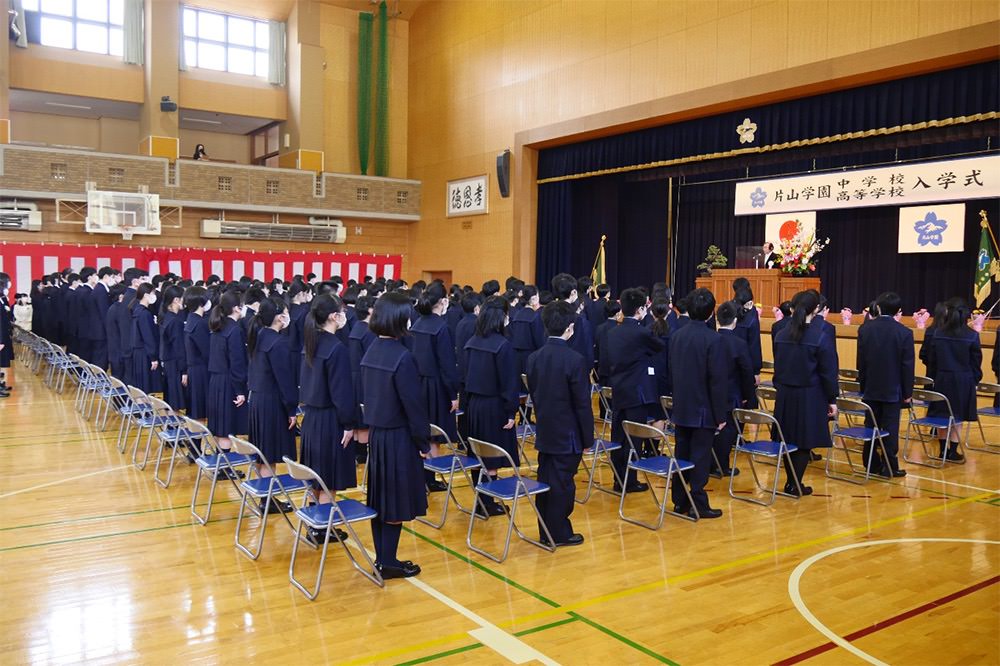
225, 44
74, 20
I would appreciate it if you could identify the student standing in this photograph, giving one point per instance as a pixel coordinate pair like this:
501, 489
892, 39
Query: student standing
172, 353
399, 432
526, 332
491, 386
6, 337
358, 342
559, 381
299, 295
748, 329
741, 383
806, 380
144, 361
227, 371
701, 385
113, 331
885, 371
273, 399
196, 350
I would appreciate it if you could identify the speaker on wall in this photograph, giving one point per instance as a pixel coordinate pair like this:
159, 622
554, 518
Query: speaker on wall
503, 173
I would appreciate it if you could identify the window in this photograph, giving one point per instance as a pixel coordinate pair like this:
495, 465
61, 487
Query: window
116, 175
402, 196
225, 43
94, 26
271, 187
58, 171
362, 194
225, 184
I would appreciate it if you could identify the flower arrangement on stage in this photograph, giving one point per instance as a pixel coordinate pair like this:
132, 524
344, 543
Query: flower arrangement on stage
798, 254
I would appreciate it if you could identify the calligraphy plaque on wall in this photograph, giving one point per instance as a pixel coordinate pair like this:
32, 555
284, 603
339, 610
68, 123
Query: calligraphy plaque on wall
468, 196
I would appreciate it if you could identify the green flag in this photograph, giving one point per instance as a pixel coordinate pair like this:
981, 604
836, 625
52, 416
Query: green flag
983, 285
597, 273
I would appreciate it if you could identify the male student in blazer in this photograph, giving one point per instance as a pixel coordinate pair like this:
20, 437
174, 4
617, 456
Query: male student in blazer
559, 382
698, 366
630, 357
885, 371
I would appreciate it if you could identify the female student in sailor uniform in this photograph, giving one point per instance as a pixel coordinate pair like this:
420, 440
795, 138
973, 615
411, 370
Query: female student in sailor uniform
805, 376
173, 356
227, 371
526, 332
145, 363
358, 342
299, 295
196, 346
327, 396
273, 399
491, 384
399, 430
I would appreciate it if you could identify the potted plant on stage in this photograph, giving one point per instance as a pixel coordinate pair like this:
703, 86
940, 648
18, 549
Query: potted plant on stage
714, 259
798, 254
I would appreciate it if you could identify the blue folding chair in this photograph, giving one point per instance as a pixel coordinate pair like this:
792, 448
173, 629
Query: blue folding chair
769, 366
160, 417
213, 463
661, 466
525, 428
853, 440
133, 407
991, 391
267, 490
446, 465
508, 490
931, 424
777, 450
181, 441
605, 396
328, 517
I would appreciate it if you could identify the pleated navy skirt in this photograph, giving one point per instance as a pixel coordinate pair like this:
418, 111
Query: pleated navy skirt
321, 449
486, 418
197, 396
173, 391
268, 427
801, 413
438, 405
960, 389
395, 475
141, 375
224, 418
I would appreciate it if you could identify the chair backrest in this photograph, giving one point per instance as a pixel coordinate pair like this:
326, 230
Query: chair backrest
243, 446
767, 393
607, 393
849, 373
300, 472
201, 433
524, 382
138, 397
852, 405
116, 383
848, 386
931, 396
767, 365
438, 433
641, 430
986, 387
920, 381
482, 449
667, 402
754, 417
160, 407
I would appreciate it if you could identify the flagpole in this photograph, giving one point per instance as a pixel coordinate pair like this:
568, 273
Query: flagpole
985, 224
604, 238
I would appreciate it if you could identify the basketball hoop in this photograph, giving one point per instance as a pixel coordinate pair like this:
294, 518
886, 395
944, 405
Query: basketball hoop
127, 230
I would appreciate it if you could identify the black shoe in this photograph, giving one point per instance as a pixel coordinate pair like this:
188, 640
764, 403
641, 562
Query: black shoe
732, 471
316, 536
707, 512
679, 509
814, 456
230, 473
954, 455
899, 473
278, 506
491, 509
406, 569
790, 489
575, 539
436, 486
632, 488
717, 473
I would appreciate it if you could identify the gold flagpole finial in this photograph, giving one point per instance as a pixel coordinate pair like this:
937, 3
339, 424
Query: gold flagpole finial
604, 238
983, 222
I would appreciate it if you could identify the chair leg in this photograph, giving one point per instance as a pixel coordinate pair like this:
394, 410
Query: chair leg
472, 522
252, 554
202, 520
372, 573
986, 447
310, 594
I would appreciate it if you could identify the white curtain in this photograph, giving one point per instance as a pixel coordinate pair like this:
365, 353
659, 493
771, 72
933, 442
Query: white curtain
276, 54
181, 57
135, 42
22, 35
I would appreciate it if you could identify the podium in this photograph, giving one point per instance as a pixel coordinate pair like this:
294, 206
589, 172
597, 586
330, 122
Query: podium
770, 287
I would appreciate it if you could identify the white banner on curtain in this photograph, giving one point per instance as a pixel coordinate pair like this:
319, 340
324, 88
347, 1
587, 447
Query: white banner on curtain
935, 228
899, 185
785, 226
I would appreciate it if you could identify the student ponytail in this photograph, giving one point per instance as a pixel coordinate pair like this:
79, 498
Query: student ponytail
269, 308
140, 293
956, 316
660, 309
322, 307
429, 297
227, 303
803, 304
169, 294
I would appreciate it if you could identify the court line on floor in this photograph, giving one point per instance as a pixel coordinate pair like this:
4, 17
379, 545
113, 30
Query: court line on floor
91, 537
123, 514
476, 646
954, 483
885, 624
61, 481
795, 579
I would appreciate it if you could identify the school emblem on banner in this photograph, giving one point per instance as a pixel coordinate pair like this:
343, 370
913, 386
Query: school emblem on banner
939, 228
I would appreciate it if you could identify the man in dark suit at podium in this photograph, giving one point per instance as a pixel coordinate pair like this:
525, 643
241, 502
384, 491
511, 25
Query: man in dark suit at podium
771, 260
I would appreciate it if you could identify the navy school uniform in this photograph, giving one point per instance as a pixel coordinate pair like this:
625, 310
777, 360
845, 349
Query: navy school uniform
114, 339
125, 334
94, 308
358, 342
6, 332
145, 350
631, 350
296, 326
273, 397
740, 393
700, 379
196, 350
885, 371
776, 328
957, 361
600, 342
682, 321
227, 378
595, 312
559, 382
583, 339
452, 316
77, 320
806, 380
399, 430
748, 329
661, 365
173, 358
434, 353
526, 334
464, 329
491, 386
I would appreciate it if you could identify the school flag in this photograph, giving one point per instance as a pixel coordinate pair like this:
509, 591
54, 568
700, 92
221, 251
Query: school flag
598, 273
987, 266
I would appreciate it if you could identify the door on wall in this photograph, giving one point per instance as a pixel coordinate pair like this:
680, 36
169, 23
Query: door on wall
444, 276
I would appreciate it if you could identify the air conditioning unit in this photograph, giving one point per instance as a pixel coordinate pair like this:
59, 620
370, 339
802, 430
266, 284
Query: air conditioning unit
20, 219
264, 231
325, 222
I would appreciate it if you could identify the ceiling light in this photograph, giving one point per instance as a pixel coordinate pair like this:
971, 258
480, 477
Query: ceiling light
70, 106
201, 120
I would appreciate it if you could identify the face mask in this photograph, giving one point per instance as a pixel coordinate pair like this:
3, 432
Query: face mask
243, 311
208, 305
152, 300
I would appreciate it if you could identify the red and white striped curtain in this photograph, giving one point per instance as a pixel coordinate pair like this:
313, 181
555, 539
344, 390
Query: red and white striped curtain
27, 261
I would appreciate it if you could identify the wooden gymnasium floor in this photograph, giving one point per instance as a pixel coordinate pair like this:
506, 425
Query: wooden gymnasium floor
100, 565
